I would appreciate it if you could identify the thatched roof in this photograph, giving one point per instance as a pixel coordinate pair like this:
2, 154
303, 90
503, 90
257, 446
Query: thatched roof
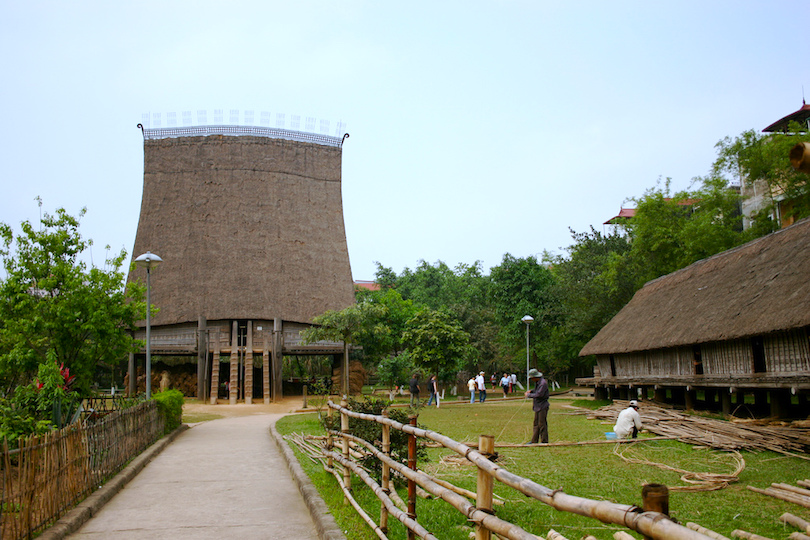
248, 228
754, 289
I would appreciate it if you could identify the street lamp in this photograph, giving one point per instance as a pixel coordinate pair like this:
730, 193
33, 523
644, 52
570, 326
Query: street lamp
528, 319
148, 260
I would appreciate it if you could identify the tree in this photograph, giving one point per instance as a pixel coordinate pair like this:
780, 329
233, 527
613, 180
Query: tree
525, 287
53, 305
437, 342
762, 159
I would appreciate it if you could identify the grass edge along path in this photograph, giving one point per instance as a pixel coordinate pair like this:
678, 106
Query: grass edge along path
591, 471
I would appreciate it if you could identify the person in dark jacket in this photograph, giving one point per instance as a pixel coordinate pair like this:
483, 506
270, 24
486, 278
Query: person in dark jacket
433, 388
413, 386
540, 406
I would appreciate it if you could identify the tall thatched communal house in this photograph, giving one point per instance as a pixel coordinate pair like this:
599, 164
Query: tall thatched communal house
734, 324
249, 224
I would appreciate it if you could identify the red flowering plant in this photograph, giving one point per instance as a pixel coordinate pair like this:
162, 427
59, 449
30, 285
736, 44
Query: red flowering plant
54, 395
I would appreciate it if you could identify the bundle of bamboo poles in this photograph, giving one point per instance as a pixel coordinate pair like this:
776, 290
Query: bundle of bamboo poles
713, 433
786, 492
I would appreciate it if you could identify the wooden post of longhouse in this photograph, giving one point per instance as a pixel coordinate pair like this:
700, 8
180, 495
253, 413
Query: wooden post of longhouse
276, 358
202, 358
248, 382
215, 369
411, 483
344, 428
266, 369
386, 472
233, 383
483, 499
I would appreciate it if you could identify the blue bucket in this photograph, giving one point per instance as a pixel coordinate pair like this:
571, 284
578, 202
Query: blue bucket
609, 435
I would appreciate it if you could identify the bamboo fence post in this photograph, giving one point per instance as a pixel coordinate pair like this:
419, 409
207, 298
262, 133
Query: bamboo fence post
704, 530
411, 483
344, 428
483, 499
796, 521
386, 472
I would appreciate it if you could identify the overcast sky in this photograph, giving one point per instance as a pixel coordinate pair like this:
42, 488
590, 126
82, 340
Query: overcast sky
477, 128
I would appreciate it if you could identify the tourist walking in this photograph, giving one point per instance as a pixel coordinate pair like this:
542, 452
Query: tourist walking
433, 388
506, 382
482, 387
413, 386
471, 387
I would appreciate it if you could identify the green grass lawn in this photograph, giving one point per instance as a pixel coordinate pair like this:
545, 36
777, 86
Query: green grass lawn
590, 471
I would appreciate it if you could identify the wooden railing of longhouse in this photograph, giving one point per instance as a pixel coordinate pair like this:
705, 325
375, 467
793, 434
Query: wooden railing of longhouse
46, 476
651, 524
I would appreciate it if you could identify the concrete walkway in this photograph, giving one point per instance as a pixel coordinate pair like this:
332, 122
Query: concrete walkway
220, 479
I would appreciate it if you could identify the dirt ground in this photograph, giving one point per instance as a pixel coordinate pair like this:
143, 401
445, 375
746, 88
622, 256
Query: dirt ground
286, 405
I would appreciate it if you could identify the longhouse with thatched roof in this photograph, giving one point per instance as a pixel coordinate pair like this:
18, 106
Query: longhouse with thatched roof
249, 224
733, 324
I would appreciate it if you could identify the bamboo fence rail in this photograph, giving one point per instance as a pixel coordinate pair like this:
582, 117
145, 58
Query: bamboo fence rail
650, 524
46, 476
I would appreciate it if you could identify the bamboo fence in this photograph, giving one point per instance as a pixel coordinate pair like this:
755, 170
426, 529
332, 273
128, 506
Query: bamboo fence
46, 476
651, 524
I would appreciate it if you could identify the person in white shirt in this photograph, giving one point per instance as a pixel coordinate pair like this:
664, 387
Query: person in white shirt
471, 387
513, 383
482, 387
629, 422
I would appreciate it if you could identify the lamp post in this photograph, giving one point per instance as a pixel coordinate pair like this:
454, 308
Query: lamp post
148, 260
528, 319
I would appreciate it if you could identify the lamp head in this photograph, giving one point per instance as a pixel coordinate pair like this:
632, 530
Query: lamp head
148, 260
528, 319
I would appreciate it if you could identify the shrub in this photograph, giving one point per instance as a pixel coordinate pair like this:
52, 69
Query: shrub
170, 405
372, 431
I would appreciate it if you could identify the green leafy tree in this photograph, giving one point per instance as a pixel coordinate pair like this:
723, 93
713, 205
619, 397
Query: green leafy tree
525, 286
437, 343
53, 306
754, 157
395, 369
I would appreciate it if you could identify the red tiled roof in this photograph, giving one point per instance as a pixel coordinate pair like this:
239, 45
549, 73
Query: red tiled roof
364, 284
801, 116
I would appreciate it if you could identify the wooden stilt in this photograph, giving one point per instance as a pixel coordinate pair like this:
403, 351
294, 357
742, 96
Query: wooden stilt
215, 370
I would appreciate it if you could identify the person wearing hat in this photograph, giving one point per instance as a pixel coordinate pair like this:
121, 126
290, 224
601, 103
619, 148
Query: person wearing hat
629, 422
482, 387
540, 406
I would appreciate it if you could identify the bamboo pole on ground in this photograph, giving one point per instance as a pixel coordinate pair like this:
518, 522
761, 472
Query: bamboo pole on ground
648, 523
621, 535
483, 498
787, 487
799, 523
554, 535
737, 533
798, 536
804, 483
782, 495
707, 532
